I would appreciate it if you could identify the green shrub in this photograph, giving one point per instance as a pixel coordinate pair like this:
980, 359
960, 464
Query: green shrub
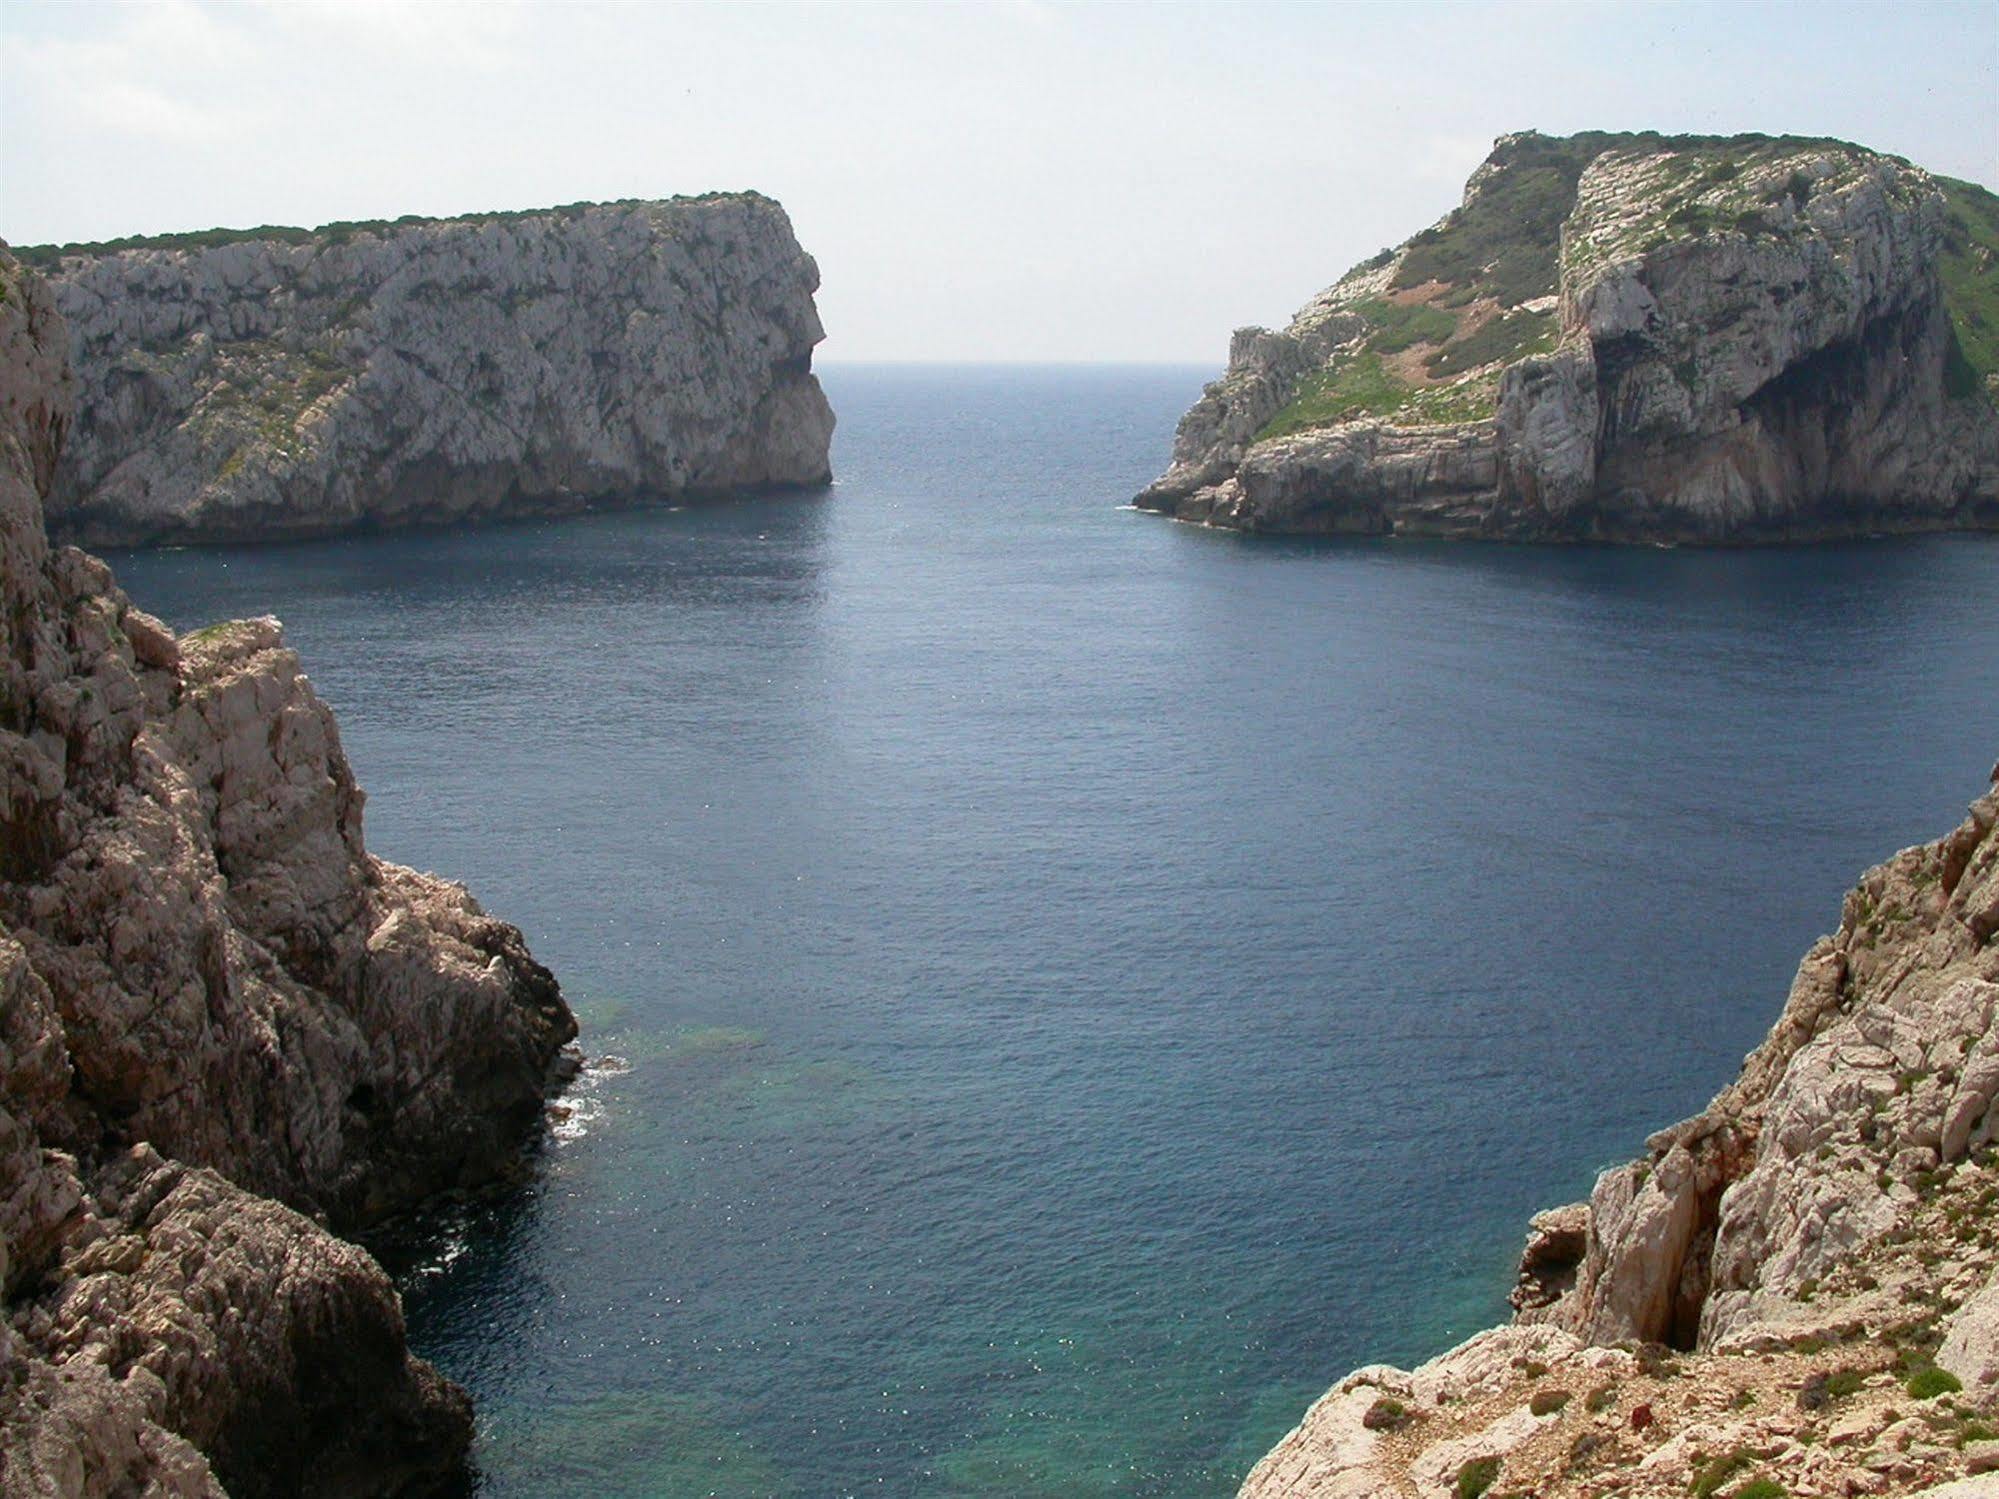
338, 232
1399, 327
1547, 1402
1507, 237
1386, 1414
1600, 1399
1362, 386
1969, 268
1717, 1471
1929, 1382
1508, 337
1959, 378
1476, 1476
1761, 1488
1356, 387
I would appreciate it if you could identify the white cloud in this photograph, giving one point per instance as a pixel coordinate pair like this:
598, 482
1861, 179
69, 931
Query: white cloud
487, 35
152, 70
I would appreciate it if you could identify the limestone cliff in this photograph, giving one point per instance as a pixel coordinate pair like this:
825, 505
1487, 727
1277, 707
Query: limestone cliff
225, 1029
1630, 338
1798, 1286
277, 382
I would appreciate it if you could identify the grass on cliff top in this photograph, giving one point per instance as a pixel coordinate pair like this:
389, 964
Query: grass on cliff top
1362, 386
1970, 271
1506, 241
1503, 245
1398, 326
1503, 339
339, 232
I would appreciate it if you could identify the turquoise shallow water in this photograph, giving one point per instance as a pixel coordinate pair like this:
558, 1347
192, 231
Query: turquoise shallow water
1083, 983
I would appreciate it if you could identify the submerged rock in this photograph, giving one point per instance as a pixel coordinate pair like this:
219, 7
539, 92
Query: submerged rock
1630, 338
283, 382
227, 1031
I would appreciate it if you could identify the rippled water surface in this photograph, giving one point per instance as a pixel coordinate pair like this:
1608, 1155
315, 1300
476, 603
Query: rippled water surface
1081, 982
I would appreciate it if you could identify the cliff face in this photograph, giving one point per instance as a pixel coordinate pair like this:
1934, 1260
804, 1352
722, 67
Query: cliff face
1801, 1282
284, 383
223, 1024
1630, 338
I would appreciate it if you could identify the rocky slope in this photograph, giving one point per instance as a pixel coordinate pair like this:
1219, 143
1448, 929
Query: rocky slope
1630, 338
1798, 1288
276, 382
226, 1033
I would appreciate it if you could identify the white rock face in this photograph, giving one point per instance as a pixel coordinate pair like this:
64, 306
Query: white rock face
1971, 1344
1749, 342
1878, 1071
439, 370
1830, 1210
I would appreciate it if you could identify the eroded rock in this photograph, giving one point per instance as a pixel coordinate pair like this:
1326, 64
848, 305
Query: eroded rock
290, 383
223, 1025
1818, 1247
1625, 338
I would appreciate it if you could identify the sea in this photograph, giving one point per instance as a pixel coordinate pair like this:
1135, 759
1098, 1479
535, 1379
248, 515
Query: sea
1061, 987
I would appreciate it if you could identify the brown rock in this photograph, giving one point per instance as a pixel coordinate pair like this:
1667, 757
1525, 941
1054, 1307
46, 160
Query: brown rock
211, 995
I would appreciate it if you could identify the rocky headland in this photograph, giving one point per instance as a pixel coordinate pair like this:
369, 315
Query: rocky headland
273, 383
1633, 338
227, 1034
1795, 1293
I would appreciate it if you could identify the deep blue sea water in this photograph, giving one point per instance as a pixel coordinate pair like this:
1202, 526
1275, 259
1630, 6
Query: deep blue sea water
1086, 982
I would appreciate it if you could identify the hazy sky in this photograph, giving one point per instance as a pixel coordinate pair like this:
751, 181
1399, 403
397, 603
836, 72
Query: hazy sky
1001, 181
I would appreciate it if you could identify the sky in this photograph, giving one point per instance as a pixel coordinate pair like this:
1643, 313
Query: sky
1002, 181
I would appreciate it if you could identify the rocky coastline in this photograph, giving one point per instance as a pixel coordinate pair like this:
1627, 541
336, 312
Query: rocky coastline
1630, 338
228, 1035
1798, 1288
282, 383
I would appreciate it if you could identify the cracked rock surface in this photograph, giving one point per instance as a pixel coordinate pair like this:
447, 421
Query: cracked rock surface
1799, 1284
1633, 338
292, 383
227, 1033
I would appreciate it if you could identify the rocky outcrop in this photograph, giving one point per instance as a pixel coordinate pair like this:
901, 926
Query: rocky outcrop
1801, 1277
280, 383
1630, 338
226, 1032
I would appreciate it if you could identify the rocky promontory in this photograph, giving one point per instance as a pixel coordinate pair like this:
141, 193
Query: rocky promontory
268, 383
228, 1033
1794, 1293
1634, 338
